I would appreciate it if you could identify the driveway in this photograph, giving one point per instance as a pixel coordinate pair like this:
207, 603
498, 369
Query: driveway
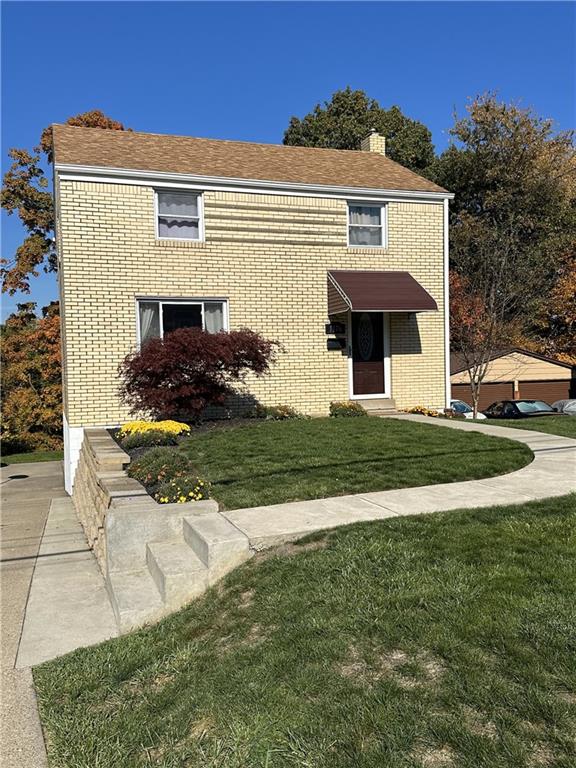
53, 598
27, 492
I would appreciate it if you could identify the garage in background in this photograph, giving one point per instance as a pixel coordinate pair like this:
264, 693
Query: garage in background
516, 374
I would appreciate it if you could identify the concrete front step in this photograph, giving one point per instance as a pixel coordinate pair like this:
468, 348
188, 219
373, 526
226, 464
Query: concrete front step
135, 599
380, 406
182, 558
217, 542
177, 571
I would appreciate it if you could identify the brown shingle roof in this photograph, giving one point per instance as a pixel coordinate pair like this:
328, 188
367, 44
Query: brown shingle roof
457, 364
232, 159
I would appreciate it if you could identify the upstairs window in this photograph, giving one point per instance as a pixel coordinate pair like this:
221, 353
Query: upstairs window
157, 317
179, 215
367, 226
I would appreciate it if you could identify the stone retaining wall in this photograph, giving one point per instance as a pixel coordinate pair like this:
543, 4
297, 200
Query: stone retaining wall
99, 483
122, 523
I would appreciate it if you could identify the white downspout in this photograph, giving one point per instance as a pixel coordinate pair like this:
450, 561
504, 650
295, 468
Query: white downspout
446, 307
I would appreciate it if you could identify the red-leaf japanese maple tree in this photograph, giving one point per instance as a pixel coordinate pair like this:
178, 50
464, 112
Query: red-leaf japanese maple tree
177, 377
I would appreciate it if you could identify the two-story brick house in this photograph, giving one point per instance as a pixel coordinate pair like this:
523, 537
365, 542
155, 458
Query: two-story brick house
342, 256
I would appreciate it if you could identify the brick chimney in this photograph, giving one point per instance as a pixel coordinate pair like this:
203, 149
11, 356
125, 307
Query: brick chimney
374, 143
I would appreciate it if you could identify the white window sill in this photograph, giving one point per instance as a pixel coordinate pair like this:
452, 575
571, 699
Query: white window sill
180, 241
367, 247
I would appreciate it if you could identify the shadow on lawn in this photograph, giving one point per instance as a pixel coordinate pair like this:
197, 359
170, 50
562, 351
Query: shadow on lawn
372, 463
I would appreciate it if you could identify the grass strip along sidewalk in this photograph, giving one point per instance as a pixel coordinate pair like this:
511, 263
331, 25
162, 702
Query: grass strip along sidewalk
26, 458
552, 425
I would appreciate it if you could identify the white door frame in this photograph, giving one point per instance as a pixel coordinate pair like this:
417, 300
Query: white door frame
386, 361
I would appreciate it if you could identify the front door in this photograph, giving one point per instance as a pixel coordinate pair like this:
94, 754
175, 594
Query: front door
368, 353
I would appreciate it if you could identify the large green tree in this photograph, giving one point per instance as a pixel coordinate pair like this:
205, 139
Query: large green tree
25, 191
513, 221
349, 116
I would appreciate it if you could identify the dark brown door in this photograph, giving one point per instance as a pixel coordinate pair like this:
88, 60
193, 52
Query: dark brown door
549, 391
490, 392
368, 353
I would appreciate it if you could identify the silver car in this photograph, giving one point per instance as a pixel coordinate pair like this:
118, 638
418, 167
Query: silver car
462, 408
565, 406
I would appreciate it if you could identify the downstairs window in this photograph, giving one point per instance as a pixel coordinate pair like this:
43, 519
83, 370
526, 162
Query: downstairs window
157, 317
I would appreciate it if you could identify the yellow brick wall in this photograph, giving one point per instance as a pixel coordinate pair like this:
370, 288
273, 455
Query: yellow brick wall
268, 255
374, 143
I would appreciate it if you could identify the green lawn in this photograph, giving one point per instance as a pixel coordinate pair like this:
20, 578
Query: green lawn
554, 425
273, 462
440, 641
24, 458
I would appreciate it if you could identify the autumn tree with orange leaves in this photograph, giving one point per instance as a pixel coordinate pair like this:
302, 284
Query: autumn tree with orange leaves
475, 332
26, 192
555, 325
31, 362
513, 222
31, 380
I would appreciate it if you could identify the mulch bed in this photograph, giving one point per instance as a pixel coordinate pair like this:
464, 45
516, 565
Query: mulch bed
209, 425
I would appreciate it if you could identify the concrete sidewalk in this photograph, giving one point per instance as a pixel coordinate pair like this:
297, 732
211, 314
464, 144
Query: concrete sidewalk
551, 473
27, 491
68, 606
53, 598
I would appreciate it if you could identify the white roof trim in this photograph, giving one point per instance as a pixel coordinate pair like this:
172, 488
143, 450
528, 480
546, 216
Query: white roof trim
259, 186
340, 291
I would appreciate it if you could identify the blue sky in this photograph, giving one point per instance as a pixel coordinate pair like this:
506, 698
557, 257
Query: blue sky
240, 70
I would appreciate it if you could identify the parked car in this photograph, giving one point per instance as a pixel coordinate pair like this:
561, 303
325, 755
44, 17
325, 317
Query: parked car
565, 406
519, 409
459, 406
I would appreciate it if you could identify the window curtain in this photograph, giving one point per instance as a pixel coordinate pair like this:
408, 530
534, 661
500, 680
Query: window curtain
149, 320
184, 229
213, 316
177, 204
364, 215
365, 236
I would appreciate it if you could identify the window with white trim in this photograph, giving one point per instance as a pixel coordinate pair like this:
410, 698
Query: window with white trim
157, 317
178, 215
367, 225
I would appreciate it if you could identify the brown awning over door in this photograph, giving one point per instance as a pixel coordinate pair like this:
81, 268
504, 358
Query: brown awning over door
368, 291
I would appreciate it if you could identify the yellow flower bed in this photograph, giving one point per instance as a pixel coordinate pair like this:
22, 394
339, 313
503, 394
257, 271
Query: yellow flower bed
182, 489
422, 410
172, 427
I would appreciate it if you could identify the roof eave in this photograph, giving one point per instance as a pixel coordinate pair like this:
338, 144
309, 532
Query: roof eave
126, 175
520, 351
